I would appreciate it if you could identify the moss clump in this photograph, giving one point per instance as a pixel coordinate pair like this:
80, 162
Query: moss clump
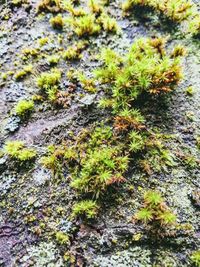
62, 238
146, 68
195, 258
57, 22
24, 107
176, 10
194, 25
53, 160
4, 76
155, 214
48, 83
85, 208
22, 73
74, 52
53, 6
29, 53
85, 25
88, 84
108, 24
43, 41
95, 6
102, 161
53, 59
157, 157
49, 79
75, 12
18, 151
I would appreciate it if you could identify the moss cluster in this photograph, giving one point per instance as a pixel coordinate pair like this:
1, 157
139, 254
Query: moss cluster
155, 214
85, 208
195, 258
177, 10
48, 83
146, 68
18, 151
74, 52
24, 107
57, 22
22, 73
85, 24
53, 6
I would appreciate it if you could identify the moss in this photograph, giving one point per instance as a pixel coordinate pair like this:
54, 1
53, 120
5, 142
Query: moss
85, 25
57, 22
53, 59
29, 53
22, 73
108, 24
146, 68
53, 160
189, 91
75, 12
194, 25
95, 6
4, 76
53, 6
74, 51
62, 238
48, 82
155, 214
43, 41
88, 84
195, 258
85, 208
24, 107
19, 2
18, 151
177, 10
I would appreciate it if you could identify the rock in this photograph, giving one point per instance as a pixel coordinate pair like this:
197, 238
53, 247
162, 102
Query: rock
12, 124
88, 100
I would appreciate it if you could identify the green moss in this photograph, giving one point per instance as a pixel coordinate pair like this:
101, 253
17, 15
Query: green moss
53, 59
48, 82
62, 238
19, 2
73, 52
24, 107
176, 10
17, 150
57, 22
75, 12
153, 198
85, 208
88, 84
22, 73
30, 52
146, 68
49, 79
43, 41
108, 24
53, 160
155, 213
195, 258
84, 25
190, 91
145, 215
95, 6
53, 6
4, 76
194, 25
